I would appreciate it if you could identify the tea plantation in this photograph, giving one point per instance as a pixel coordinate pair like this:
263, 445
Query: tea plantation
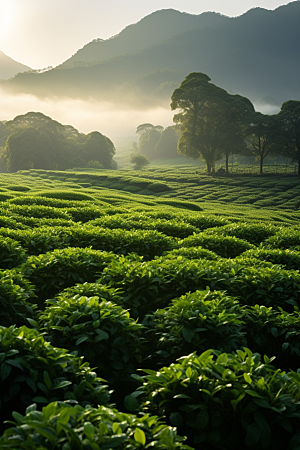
155, 309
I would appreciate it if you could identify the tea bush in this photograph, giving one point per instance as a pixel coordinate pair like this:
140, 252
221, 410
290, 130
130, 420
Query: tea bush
275, 331
287, 258
153, 284
91, 290
66, 195
204, 222
66, 427
53, 271
225, 401
31, 370
191, 253
169, 227
11, 253
253, 233
101, 331
16, 293
147, 243
285, 239
225, 246
38, 211
196, 322
40, 240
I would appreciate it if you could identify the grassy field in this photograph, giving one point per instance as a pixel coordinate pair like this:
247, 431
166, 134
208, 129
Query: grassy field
144, 309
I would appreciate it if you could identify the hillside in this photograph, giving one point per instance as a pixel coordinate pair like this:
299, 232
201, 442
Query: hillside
9, 67
248, 55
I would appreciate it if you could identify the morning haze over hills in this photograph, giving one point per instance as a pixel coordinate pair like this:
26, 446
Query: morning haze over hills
255, 55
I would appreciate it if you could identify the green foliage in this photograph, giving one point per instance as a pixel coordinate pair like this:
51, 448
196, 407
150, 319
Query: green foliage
225, 401
139, 161
169, 227
275, 331
67, 195
289, 259
225, 246
53, 271
253, 233
66, 427
286, 238
15, 294
101, 331
34, 371
196, 322
192, 253
11, 253
102, 291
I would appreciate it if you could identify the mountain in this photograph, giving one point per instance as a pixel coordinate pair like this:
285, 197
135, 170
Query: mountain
9, 68
255, 55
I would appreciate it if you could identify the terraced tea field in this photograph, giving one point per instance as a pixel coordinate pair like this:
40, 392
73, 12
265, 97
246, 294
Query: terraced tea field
145, 309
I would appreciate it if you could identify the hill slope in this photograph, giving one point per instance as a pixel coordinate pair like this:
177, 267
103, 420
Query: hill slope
256, 55
9, 67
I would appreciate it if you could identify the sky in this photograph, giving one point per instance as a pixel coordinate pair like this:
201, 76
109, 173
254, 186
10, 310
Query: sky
42, 33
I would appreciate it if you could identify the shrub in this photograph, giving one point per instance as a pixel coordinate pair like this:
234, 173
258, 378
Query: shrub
40, 240
38, 211
15, 294
198, 321
9, 222
153, 284
224, 401
66, 427
34, 371
54, 202
272, 330
253, 233
225, 246
53, 271
146, 243
191, 253
67, 195
101, 331
102, 291
285, 239
204, 222
11, 253
287, 258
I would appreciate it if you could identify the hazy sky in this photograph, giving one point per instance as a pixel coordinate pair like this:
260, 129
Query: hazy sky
42, 33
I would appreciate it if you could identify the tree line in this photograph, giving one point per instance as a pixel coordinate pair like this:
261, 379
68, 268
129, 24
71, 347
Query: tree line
35, 141
215, 124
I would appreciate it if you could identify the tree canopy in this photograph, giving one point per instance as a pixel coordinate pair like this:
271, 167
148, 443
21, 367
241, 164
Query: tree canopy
36, 141
211, 120
289, 122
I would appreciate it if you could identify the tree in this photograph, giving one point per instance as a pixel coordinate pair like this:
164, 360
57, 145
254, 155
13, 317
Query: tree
289, 122
211, 120
262, 136
139, 161
166, 146
149, 136
99, 148
28, 149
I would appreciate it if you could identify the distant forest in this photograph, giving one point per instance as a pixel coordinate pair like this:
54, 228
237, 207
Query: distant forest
35, 141
211, 124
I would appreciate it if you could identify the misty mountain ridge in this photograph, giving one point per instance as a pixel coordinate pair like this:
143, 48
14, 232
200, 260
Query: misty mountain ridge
9, 67
255, 55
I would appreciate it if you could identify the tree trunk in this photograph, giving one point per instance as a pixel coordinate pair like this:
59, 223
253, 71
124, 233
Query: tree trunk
261, 164
227, 162
208, 167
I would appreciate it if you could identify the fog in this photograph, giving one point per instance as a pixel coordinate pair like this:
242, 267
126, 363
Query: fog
86, 116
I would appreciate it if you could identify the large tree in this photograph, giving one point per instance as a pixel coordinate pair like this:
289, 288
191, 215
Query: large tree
211, 120
99, 148
149, 136
289, 122
262, 136
28, 149
166, 146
